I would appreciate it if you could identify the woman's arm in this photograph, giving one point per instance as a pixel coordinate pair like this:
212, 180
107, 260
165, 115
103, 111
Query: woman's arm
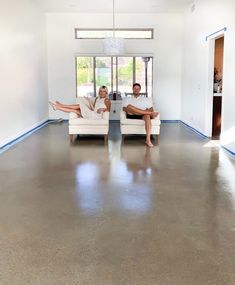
91, 106
107, 103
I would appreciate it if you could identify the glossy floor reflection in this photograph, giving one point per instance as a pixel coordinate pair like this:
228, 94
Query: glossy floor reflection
117, 214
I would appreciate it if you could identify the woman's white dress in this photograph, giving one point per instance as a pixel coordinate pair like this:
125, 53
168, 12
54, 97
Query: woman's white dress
87, 113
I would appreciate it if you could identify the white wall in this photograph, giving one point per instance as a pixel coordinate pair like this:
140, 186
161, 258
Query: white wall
166, 49
23, 72
208, 17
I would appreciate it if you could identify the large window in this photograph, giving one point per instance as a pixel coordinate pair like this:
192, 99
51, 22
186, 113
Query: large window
102, 72
117, 73
144, 73
85, 76
125, 74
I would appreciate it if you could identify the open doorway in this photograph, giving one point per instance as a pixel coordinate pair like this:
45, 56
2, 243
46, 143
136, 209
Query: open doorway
217, 87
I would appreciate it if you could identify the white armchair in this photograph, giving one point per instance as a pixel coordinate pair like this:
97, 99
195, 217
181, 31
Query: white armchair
137, 126
81, 126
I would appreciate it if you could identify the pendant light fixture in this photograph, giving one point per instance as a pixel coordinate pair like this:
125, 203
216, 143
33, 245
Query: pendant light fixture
113, 45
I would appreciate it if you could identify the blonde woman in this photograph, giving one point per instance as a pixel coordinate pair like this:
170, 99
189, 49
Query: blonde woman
94, 111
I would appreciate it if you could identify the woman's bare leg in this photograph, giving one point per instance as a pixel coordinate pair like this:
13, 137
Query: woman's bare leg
74, 106
69, 110
52, 105
66, 109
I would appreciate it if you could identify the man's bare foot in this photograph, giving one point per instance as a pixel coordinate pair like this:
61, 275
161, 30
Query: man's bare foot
154, 114
53, 105
149, 144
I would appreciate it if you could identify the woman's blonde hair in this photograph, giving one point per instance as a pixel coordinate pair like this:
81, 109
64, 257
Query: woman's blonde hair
103, 88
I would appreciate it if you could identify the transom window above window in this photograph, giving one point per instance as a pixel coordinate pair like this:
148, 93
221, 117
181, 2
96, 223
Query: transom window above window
119, 33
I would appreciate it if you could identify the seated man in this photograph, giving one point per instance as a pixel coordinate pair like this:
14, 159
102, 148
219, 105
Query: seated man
138, 107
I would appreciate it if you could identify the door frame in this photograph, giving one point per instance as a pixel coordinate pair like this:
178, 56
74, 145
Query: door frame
210, 86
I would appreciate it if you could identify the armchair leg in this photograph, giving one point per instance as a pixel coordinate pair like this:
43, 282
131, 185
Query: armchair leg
105, 139
123, 138
71, 138
155, 139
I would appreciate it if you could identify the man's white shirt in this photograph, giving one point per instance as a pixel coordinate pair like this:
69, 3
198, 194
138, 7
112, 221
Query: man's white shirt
139, 102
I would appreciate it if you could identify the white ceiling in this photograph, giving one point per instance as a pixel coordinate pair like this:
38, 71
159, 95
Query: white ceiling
121, 6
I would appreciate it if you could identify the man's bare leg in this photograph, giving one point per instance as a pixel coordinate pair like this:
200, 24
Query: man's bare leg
154, 115
147, 115
147, 120
132, 110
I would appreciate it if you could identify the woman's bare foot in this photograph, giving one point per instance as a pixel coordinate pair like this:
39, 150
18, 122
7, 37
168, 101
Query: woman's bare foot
57, 102
53, 105
149, 144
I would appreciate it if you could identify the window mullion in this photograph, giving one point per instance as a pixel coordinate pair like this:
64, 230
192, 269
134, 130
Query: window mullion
116, 75
94, 75
134, 69
111, 74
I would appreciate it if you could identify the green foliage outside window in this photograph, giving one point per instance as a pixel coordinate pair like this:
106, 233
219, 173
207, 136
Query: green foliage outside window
84, 70
126, 72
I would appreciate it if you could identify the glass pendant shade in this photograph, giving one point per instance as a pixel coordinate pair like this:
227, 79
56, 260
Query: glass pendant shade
113, 46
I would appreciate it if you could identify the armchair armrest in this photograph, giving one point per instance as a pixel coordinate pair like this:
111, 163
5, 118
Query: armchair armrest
122, 115
106, 116
73, 116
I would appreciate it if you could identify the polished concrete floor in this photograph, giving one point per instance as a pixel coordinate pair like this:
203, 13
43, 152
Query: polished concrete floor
125, 214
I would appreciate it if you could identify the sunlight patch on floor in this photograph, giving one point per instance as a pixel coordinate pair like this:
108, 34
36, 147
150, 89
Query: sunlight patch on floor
212, 144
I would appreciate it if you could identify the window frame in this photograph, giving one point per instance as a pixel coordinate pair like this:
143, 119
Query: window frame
151, 30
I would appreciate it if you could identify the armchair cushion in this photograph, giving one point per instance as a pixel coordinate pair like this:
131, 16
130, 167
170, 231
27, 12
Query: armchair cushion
81, 121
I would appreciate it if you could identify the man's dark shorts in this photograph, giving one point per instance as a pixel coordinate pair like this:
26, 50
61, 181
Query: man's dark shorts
138, 117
